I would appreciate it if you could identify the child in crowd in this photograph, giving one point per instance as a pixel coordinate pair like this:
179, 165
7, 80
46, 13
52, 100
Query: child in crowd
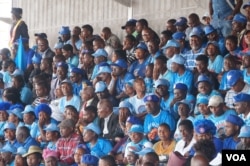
52, 135
81, 150
149, 78
42, 93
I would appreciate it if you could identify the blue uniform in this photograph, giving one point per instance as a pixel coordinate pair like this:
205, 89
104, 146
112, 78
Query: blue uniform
138, 69
165, 104
101, 148
30, 142
216, 65
186, 78
230, 143
151, 58
120, 83
151, 121
33, 129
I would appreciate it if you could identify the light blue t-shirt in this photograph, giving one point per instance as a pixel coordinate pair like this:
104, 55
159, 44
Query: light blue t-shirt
186, 78
74, 101
216, 65
101, 148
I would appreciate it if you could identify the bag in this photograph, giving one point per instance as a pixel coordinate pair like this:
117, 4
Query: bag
176, 159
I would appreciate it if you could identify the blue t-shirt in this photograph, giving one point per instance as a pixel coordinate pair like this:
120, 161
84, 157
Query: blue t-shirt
230, 143
139, 69
186, 78
216, 65
101, 148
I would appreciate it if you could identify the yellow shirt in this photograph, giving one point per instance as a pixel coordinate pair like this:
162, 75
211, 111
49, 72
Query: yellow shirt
160, 150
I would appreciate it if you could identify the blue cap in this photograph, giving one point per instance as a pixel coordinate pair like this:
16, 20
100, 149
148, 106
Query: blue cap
77, 71
172, 43
120, 63
17, 72
203, 126
202, 78
64, 30
184, 102
21, 151
131, 22
179, 36
134, 120
242, 97
42, 108
100, 86
100, 52
196, 32
8, 148
142, 46
235, 119
126, 104
89, 159
181, 86
213, 43
151, 97
4, 106
136, 128
62, 64
93, 127
202, 100
28, 108
246, 5
181, 21
17, 112
130, 82
233, 76
58, 45
104, 69
178, 59
83, 146
52, 127
244, 132
144, 151
209, 29
36, 59
161, 81
9, 125
240, 18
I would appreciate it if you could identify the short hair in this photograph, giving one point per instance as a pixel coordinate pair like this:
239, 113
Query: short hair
12, 94
121, 54
172, 21
143, 21
162, 58
68, 47
167, 33
25, 131
138, 80
165, 125
110, 161
131, 38
206, 147
71, 108
232, 38
48, 61
107, 103
187, 123
19, 79
194, 16
106, 30
10, 62
152, 156
44, 40
91, 109
150, 65
60, 58
202, 58
88, 27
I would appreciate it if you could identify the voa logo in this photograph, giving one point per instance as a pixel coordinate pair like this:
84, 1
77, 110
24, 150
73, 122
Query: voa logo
236, 157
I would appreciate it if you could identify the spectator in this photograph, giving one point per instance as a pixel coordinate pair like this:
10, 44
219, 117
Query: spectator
71, 59
241, 102
88, 159
42, 93
244, 138
34, 156
129, 45
110, 38
81, 150
44, 49
29, 119
64, 33
23, 137
52, 135
130, 27
75, 40
170, 25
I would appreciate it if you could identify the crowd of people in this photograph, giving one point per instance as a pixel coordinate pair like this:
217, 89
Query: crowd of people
175, 98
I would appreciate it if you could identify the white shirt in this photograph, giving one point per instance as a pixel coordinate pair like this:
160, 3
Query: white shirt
180, 146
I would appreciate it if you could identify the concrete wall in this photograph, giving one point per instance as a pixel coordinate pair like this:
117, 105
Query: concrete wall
49, 15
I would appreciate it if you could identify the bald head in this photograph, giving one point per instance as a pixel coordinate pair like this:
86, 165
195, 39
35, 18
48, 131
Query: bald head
199, 160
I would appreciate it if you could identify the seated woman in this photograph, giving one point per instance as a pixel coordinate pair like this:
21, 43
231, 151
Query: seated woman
166, 144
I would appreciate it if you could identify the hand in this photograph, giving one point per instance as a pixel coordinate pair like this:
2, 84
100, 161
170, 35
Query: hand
230, 17
152, 134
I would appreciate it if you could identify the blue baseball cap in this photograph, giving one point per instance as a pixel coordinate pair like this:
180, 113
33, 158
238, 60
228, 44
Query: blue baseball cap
172, 43
17, 112
142, 46
17, 72
161, 81
144, 151
8, 148
21, 151
100, 52
179, 59
130, 82
136, 128
233, 76
9, 125
134, 120
202, 126
28, 108
93, 127
89, 159
36, 59
83, 146
240, 18
100, 86
181, 86
202, 78
209, 29
126, 104
246, 5
235, 119
52, 127
184, 102
77, 71
62, 64
151, 97
104, 69
120, 63
58, 45
179, 36
64, 30
181, 21
42, 108
196, 32
244, 132
202, 100
4, 106
242, 97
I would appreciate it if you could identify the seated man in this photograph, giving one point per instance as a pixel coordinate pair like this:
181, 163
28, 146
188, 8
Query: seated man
24, 138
